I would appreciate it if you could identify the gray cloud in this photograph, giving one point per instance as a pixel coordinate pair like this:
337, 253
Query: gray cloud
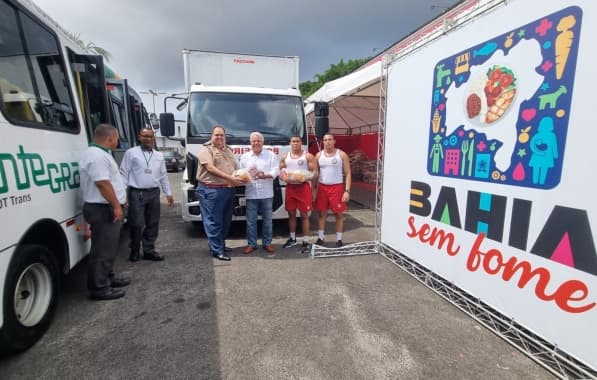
146, 37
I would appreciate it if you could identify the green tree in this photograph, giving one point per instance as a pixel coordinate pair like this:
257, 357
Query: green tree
335, 71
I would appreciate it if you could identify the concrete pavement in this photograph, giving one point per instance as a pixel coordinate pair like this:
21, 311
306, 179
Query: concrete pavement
260, 316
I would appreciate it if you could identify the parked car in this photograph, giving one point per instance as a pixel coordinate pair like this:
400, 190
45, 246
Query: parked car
174, 160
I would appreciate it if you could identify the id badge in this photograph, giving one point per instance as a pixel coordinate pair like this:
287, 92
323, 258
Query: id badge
148, 171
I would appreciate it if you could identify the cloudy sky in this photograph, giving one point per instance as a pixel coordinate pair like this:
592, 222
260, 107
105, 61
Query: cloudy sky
146, 37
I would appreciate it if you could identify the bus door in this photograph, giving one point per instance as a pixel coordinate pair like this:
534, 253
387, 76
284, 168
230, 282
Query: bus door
120, 107
138, 117
88, 72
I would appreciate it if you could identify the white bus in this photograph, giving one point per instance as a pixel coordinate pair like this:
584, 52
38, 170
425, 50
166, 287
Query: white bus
52, 94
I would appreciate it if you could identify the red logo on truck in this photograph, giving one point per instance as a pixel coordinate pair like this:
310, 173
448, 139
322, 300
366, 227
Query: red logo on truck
242, 60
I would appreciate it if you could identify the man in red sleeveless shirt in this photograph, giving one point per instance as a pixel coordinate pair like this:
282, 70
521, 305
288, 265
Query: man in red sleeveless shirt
296, 167
333, 191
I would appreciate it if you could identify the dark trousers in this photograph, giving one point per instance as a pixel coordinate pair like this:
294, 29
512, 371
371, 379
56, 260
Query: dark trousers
216, 212
105, 234
144, 219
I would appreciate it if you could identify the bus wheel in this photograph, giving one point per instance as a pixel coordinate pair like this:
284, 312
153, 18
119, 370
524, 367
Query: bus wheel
30, 297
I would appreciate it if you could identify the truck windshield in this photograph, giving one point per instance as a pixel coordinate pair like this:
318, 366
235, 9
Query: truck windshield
277, 117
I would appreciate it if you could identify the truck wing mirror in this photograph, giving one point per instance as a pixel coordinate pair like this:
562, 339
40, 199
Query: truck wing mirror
322, 123
167, 124
322, 126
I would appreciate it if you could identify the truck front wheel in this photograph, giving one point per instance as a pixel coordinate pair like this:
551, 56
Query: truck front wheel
30, 297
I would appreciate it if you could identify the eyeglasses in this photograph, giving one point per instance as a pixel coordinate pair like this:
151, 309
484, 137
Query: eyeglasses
147, 136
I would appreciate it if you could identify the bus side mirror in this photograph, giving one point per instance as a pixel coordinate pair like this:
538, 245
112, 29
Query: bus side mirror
167, 124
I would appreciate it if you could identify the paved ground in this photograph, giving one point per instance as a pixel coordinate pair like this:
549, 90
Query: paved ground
282, 316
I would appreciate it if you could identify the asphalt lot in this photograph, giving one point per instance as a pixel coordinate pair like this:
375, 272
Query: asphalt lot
260, 316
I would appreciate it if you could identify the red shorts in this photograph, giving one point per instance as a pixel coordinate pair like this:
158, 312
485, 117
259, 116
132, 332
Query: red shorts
330, 197
299, 197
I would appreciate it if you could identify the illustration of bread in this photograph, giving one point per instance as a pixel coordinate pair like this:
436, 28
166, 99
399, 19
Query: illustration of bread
500, 106
564, 43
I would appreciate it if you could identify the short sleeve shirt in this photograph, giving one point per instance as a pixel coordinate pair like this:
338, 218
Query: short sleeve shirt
99, 165
222, 159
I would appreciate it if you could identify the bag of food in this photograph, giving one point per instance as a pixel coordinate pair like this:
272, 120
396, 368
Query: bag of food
243, 174
299, 176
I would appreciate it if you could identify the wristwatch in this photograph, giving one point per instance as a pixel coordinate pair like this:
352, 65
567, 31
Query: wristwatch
347, 191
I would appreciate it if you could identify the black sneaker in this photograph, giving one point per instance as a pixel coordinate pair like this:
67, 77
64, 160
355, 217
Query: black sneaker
306, 247
320, 242
339, 244
290, 243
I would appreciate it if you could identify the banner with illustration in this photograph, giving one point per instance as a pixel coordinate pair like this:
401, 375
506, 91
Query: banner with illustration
500, 109
487, 165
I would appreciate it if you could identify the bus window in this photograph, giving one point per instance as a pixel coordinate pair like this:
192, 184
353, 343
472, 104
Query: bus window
118, 112
16, 86
45, 98
137, 116
50, 100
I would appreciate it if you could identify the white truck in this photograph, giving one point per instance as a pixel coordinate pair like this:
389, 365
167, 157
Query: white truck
244, 93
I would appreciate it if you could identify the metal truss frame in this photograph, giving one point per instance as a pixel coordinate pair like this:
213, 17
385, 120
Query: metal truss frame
383, 88
538, 349
355, 249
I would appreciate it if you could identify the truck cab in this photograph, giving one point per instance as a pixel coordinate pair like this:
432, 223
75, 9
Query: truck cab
277, 114
244, 94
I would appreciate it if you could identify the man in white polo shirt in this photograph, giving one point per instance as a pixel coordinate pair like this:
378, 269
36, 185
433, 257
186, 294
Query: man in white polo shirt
104, 193
144, 171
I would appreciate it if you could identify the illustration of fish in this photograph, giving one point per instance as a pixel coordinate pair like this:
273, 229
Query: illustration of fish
486, 50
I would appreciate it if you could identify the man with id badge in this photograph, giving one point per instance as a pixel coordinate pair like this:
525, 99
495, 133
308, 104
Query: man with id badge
144, 171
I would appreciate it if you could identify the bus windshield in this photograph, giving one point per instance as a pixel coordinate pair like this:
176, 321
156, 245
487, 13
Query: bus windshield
277, 117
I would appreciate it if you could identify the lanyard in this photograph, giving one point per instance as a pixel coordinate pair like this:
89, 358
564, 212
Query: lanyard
145, 157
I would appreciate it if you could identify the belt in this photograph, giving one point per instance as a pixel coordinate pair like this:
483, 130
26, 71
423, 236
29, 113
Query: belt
148, 189
214, 185
102, 204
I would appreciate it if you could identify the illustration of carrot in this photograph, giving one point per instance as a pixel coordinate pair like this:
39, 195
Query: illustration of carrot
564, 43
